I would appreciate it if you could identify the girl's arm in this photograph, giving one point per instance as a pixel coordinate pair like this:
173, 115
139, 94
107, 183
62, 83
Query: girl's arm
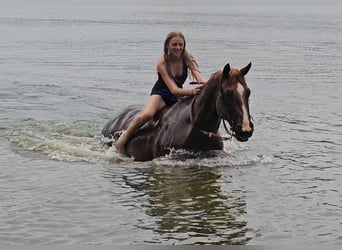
195, 72
197, 75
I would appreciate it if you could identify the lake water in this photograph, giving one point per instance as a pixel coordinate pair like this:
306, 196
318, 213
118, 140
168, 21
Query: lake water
64, 72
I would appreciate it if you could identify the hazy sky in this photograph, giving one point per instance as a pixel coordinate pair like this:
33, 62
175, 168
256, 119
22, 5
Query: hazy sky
26, 3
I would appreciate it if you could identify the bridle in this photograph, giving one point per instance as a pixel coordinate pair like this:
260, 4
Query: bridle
224, 113
230, 131
222, 98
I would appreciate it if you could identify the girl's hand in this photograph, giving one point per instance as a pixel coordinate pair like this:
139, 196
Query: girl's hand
197, 90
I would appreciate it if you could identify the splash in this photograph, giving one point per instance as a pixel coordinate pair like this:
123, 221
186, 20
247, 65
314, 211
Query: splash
71, 142
79, 141
235, 154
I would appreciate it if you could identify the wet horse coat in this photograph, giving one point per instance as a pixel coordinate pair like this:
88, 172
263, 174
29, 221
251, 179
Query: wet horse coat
190, 123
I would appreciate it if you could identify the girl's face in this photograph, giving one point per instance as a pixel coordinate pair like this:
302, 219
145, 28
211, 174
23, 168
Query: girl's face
176, 46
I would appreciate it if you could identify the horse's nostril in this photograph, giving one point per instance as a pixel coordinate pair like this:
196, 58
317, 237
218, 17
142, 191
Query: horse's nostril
243, 131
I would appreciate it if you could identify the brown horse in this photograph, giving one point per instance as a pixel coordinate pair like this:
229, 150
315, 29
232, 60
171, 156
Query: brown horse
192, 123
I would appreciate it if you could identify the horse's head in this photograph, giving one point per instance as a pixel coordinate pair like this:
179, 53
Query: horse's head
233, 103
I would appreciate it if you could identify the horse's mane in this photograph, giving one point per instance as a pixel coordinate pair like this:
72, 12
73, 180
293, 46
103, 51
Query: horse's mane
214, 78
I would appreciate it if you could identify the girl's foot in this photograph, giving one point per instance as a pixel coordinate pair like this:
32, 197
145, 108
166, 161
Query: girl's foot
120, 144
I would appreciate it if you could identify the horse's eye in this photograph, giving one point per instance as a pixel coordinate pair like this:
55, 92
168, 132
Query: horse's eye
229, 94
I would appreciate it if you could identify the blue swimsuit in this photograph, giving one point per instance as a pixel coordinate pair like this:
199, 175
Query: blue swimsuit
161, 89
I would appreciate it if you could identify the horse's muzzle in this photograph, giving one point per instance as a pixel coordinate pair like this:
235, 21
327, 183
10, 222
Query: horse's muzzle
242, 134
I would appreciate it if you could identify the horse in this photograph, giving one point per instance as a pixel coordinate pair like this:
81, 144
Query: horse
192, 123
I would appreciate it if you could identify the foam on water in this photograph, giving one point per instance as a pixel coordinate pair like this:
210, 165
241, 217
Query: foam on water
80, 142
60, 141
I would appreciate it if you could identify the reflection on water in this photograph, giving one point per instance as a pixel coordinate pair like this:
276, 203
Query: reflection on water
187, 205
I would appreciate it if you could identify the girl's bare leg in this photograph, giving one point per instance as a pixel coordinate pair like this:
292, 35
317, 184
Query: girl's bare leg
153, 105
133, 126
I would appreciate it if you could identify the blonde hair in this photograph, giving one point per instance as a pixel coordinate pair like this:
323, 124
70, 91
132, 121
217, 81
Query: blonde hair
189, 59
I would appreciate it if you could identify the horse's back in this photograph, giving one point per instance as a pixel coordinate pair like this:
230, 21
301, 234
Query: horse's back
120, 122
175, 125
168, 129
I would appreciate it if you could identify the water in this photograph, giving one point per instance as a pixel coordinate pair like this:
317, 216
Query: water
65, 71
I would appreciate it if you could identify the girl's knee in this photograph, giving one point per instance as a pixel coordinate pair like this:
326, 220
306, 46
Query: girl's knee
146, 116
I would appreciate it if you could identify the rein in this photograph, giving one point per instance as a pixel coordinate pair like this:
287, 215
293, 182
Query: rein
215, 135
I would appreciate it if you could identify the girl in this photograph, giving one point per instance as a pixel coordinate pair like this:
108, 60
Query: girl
172, 70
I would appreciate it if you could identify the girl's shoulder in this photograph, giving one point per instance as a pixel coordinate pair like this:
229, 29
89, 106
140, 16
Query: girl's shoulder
161, 62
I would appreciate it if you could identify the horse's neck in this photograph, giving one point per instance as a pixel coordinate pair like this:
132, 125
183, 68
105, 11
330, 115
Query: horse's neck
204, 113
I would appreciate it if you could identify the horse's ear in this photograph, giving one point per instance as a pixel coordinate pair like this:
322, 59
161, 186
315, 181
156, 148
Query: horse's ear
245, 70
226, 70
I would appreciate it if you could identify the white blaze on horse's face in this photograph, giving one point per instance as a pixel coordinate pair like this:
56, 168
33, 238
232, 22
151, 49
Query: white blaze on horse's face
246, 127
